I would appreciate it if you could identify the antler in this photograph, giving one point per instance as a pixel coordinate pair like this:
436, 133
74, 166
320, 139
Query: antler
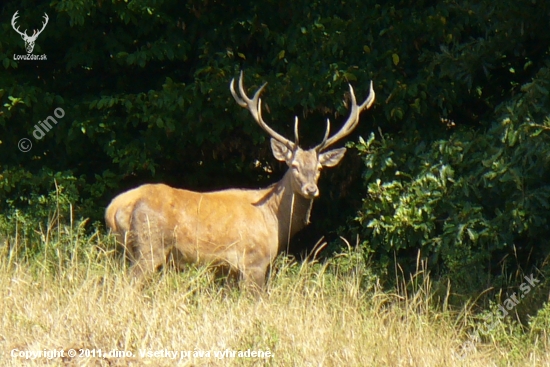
43, 25
24, 34
13, 19
351, 122
254, 105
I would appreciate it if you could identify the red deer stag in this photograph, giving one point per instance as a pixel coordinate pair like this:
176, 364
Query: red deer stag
241, 231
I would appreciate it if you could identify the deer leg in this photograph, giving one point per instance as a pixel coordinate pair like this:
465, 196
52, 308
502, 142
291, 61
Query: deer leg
149, 250
149, 258
254, 278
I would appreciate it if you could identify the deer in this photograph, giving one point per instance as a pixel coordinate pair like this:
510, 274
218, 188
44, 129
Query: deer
240, 231
29, 40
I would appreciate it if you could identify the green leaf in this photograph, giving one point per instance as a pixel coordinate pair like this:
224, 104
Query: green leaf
350, 76
131, 59
395, 59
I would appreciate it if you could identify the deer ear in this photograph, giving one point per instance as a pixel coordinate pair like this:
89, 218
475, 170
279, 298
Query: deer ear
280, 151
332, 157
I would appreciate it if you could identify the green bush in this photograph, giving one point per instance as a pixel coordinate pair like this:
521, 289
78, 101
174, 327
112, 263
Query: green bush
473, 204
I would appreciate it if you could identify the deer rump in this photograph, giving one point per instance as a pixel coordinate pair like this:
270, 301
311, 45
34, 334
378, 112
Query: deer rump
155, 221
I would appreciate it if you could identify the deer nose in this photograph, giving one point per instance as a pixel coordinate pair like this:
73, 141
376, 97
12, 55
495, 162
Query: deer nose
311, 190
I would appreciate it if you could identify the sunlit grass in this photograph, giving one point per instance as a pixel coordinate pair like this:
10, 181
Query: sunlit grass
76, 294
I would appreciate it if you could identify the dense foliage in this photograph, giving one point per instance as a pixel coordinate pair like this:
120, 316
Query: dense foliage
462, 103
468, 200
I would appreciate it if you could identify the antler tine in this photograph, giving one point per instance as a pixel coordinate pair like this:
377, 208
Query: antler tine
243, 100
327, 132
44, 23
370, 99
296, 138
352, 121
13, 21
254, 105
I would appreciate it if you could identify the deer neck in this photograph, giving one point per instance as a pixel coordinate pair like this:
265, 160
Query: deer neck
292, 210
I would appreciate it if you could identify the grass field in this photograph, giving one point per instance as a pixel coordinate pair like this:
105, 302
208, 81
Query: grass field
75, 294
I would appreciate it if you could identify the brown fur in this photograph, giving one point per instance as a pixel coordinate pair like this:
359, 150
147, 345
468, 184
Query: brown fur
241, 231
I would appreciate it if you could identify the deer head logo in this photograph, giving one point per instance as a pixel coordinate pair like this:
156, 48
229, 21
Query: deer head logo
29, 40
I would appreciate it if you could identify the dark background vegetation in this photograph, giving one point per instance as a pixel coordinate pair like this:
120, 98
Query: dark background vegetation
454, 155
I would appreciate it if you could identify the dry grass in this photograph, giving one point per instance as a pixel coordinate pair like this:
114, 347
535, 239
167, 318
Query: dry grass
311, 316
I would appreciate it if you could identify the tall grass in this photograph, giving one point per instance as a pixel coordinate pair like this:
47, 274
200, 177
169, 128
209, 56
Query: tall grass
74, 293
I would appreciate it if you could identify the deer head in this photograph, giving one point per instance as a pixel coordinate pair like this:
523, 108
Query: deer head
29, 40
305, 165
